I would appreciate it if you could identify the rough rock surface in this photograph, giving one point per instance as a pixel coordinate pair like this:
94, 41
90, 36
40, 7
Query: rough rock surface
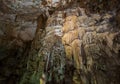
59, 42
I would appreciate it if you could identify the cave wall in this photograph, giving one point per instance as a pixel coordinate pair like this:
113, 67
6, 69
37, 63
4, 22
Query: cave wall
59, 42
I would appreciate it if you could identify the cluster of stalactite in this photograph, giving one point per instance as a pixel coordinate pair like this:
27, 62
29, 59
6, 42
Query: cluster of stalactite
91, 49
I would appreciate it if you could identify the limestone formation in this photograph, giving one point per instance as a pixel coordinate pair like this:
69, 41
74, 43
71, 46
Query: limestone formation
59, 42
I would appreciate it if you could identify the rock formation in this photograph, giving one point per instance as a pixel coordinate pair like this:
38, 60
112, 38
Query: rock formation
59, 42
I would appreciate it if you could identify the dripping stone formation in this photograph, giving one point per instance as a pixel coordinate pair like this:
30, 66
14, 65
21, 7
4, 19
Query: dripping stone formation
59, 41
